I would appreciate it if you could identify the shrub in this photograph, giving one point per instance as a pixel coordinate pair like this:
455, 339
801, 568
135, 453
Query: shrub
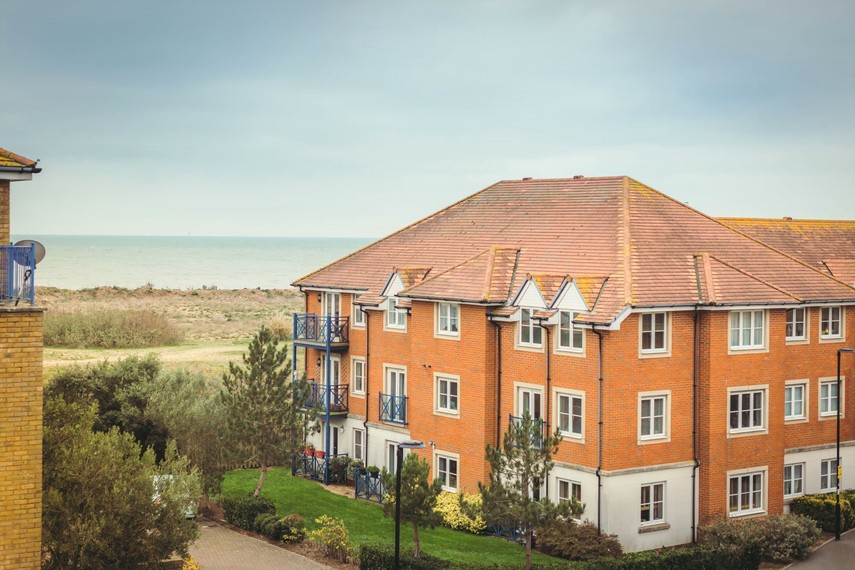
781, 538
294, 528
332, 539
340, 467
243, 511
821, 508
576, 541
694, 557
453, 516
190, 564
109, 328
382, 557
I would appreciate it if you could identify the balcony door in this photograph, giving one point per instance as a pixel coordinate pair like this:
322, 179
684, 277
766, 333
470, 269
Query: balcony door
396, 387
332, 304
530, 400
335, 371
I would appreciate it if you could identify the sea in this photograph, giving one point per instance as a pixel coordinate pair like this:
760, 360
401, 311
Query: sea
184, 262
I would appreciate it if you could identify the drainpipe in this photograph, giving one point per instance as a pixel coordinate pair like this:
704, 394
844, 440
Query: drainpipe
498, 381
367, 384
548, 348
327, 402
695, 376
599, 426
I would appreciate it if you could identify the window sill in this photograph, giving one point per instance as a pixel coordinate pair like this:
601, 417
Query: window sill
651, 440
832, 416
358, 394
831, 339
529, 347
653, 527
792, 341
572, 437
747, 514
747, 433
747, 349
654, 353
578, 352
446, 336
447, 414
796, 420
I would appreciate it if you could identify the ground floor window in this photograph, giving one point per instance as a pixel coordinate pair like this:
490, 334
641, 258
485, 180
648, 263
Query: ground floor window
359, 444
793, 479
653, 503
745, 493
446, 470
569, 490
828, 475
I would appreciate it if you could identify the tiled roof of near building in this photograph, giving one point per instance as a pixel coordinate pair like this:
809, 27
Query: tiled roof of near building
648, 249
9, 159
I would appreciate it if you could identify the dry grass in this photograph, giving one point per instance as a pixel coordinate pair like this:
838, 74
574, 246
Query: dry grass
109, 328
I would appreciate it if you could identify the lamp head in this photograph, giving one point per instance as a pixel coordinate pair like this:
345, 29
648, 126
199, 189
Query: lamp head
412, 444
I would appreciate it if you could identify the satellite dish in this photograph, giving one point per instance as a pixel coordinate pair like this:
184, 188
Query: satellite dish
40, 249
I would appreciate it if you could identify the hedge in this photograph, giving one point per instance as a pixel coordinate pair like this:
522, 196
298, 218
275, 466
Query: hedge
242, 512
821, 509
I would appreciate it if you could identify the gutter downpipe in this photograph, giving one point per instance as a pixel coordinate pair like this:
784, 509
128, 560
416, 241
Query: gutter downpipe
367, 383
695, 377
498, 380
548, 349
328, 394
599, 425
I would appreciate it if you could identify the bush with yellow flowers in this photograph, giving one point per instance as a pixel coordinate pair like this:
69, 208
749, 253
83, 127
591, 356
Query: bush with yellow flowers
453, 516
332, 538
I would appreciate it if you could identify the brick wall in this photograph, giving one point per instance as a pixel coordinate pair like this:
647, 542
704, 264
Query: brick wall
5, 231
20, 438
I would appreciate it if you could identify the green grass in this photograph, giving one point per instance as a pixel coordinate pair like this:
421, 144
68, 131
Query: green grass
366, 522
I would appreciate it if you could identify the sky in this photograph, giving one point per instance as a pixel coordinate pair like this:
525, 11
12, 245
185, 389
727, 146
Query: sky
357, 118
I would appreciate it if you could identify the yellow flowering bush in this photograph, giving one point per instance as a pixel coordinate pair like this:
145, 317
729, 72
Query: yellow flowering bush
448, 505
190, 564
332, 538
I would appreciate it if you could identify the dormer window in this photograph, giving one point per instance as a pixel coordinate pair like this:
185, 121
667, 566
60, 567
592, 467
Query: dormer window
395, 318
530, 332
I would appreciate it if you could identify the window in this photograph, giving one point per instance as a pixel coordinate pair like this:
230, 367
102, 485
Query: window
653, 503
796, 324
745, 494
332, 304
446, 470
794, 402
828, 475
391, 451
747, 410
570, 409
747, 330
828, 398
830, 323
652, 417
528, 402
356, 315
569, 490
358, 372
359, 444
448, 319
530, 333
395, 318
447, 394
794, 479
653, 332
569, 336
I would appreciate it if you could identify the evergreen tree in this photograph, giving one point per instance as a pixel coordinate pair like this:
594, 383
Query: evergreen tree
264, 406
418, 496
517, 469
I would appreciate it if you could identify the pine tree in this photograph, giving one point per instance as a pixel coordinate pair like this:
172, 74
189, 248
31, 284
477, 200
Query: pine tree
418, 496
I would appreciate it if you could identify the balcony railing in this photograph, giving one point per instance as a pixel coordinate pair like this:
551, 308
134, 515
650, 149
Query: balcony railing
367, 486
536, 433
308, 464
17, 271
321, 330
336, 396
393, 409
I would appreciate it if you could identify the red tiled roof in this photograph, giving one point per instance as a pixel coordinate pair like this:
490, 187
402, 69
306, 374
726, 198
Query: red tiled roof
10, 159
643, 245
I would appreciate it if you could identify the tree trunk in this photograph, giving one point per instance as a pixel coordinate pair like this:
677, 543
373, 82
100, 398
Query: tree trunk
260, 480
416, 549
528, 535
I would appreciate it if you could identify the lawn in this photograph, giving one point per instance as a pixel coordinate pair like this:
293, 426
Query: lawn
366, 522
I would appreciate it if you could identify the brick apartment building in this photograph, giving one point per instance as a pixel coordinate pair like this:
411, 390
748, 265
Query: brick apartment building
20, 388
689, 362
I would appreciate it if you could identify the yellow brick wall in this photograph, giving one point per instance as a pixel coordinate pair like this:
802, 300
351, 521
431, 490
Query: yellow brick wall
4, 212
21, 341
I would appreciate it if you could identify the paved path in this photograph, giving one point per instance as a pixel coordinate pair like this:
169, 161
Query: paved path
219, 548
831, 555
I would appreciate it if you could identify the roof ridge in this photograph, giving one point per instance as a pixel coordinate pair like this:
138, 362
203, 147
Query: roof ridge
405, 228
754, 277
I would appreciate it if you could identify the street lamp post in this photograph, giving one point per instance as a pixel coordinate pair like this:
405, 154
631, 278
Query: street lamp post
839, 466
399, 459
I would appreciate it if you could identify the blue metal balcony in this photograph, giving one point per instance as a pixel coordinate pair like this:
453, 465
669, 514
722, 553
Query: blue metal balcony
336, 396
393, 409
321, 331
537, 433
17, 271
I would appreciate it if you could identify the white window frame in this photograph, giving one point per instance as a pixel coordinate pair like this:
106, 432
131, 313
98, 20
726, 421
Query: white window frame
532, 327
840, 399
790, 387
438, 408
445, 474
652, 329
738, 325
751, 478
792, 321
357, 317
535, 392
794, 476
448, 325
571, 395
392, 455
575, 335
331, 299
665, 435
764, 409
828, 475
357, 363
567, 489
651, 503
827, 321
359, 443
396, 319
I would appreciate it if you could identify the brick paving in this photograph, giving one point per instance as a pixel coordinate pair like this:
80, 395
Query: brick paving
219, 548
